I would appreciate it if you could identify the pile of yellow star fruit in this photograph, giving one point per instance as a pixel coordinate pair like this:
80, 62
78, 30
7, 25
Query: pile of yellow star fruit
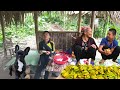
91, 72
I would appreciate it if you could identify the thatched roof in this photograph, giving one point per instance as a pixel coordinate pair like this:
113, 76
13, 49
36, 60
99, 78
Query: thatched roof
114, 15
18, 16
14, 16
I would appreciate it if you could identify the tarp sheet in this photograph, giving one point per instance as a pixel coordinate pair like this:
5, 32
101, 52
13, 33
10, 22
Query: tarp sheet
31, 59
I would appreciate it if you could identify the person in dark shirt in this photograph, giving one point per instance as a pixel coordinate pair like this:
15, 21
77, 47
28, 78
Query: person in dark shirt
85, 46
46, 49
110, 43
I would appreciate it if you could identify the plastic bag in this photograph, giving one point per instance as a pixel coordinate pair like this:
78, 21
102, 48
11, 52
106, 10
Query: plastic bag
110, 63
73, 62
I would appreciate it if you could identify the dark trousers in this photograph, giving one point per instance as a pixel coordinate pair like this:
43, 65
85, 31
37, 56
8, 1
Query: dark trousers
44, 59
113, 56
81, 54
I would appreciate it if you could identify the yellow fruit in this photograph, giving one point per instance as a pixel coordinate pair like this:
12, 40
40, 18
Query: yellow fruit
96, 67
87, 77
96, 72
85, 73
65, 74
93, 77
105, 76
100, 77
92, 72
101, 71
107, 50
75, 76
110, 77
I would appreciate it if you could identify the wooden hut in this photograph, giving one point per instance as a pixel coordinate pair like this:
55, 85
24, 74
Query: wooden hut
62, 39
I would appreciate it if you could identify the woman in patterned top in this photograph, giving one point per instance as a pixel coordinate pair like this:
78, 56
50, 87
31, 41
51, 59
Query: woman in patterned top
85, 46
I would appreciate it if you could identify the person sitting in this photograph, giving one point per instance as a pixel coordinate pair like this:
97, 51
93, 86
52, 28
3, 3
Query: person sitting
46, 48
109, 48
85, 46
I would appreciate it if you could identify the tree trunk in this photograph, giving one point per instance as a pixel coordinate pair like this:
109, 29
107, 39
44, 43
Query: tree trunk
79, 22
3, 33
36, 27
92, 22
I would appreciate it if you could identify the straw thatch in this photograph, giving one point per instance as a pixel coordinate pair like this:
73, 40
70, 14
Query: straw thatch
13, 16
114, 15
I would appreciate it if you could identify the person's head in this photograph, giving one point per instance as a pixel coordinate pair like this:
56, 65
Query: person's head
87, 31
46, 35
111, 34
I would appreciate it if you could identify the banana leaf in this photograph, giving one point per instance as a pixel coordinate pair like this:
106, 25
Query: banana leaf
31, 59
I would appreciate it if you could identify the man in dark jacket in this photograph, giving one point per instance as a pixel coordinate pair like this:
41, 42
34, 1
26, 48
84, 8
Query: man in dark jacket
46, 48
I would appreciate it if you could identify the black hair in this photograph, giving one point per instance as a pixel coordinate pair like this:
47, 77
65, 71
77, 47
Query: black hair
113, 31
46, 32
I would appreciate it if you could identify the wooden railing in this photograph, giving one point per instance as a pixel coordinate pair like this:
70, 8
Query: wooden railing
62, 40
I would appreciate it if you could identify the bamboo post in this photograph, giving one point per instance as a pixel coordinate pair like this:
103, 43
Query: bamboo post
3, 33
36, 27
92, 22
79, 22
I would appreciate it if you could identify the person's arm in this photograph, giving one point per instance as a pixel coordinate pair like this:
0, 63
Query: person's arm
100, 49
41, 50
94, 45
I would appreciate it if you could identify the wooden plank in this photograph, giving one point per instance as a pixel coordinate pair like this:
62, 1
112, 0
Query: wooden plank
79, 21
92, 21
69, 40
3, 33
60, 31
36, 27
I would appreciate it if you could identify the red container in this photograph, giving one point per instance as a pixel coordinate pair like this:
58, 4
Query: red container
60, 59
64, 53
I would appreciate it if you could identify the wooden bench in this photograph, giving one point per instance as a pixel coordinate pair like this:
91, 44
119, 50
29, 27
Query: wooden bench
10, 46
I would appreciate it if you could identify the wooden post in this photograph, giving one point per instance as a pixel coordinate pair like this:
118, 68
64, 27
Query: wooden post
3, 33
92, 22
79, 22
36, 27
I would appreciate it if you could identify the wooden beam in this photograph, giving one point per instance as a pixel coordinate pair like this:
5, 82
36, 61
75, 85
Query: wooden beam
92, 21
59, 31
36, 27
79, 22
3, 33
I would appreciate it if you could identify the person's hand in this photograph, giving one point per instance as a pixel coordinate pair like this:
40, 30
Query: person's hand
86, 48
47, 52
109, 53
94, 46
